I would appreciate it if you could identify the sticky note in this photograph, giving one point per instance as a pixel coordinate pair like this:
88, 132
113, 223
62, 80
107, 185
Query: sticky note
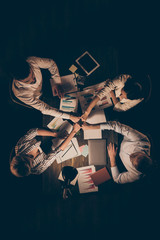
73, 68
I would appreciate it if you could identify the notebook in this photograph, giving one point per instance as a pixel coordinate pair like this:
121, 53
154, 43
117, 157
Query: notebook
100, 176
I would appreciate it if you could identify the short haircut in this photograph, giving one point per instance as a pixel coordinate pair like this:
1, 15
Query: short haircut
20, 69
144, 164
133, 89
20, 166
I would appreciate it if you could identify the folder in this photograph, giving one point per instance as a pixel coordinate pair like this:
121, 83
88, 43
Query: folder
100, 176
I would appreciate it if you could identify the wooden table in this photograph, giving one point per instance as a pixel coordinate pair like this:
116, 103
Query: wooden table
51, 184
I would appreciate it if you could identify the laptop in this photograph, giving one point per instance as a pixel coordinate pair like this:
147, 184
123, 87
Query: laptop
97, 152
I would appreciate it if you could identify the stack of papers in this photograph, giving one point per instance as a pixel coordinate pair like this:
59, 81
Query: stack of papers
85, 182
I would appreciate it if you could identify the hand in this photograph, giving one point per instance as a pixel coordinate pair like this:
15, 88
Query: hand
74, 118
58, 90
84, 116
76, 127
62, 134
85, 126
112, 151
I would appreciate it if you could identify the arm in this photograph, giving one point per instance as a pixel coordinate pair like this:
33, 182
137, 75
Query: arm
121, 178
43, 107
127, 105
126, 131
76, 128
49, 64
87, 126
115, 84
90, 107
43, 132
114, 99
51, 157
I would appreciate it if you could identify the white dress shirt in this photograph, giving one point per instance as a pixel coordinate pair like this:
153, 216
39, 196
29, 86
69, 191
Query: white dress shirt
133, 141
30, 93
116, 85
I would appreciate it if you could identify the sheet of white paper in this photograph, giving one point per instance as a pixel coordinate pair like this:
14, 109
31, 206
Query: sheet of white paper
87, 95
93, 134
68, 83
71, 151
97, 116
85, 182
55, 123
65, 126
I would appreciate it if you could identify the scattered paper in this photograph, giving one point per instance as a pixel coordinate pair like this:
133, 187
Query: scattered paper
97, 116
85, 182
92, 134
65, 126
84, 150
69, 103
87, 95
55, 123
71, 151
68, 82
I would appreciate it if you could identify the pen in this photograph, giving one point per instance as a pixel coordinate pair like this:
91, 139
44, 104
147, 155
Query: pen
67, 150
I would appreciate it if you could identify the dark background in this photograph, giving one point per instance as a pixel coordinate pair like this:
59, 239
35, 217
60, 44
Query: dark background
124, 37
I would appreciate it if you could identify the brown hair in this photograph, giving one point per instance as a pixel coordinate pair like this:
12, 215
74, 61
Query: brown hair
20, 166
144, 163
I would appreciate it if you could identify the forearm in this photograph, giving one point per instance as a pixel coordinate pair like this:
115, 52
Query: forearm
92, 104
113, 161
67, 141
90, 126
114, 99
44, 108
130, 133
43, 132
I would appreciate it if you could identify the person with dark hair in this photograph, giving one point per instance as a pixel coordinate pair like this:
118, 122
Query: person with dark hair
125, 92
134, 152
29, 158
27, 84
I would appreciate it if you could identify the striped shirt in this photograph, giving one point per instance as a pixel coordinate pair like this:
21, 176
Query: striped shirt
117, 85
27, 143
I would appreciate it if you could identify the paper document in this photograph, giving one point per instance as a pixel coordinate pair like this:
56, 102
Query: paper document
85, 182
71, 151
68, 82
92, 134
87, 95
69, 103
97, 116
65, 126
55, 123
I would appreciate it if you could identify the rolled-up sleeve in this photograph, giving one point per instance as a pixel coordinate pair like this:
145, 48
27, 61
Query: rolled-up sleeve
47, 162
119, 107
47, 63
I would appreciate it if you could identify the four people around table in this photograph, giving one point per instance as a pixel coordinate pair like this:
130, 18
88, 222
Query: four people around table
125, 93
